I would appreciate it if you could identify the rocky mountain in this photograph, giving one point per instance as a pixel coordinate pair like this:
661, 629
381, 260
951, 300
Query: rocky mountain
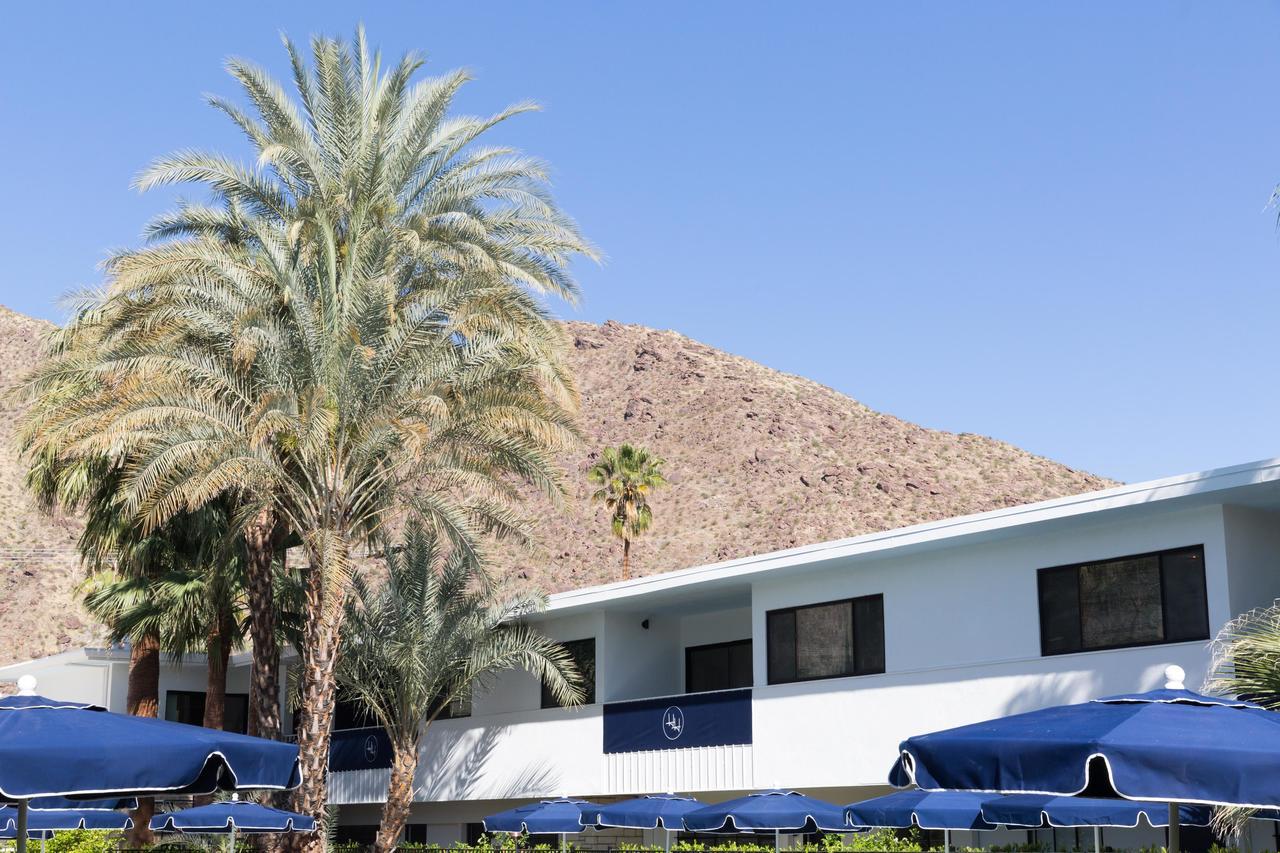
758, 461
39, 568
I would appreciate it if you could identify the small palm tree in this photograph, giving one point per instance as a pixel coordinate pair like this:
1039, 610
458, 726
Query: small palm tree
1246, 663
626, 475
435, 629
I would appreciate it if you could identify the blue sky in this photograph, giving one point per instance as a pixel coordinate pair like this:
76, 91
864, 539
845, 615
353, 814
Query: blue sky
1041, 222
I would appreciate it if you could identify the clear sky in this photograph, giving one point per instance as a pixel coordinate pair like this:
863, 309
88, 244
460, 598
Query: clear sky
1041, 222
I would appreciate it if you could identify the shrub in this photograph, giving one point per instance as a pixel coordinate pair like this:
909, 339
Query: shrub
82, 841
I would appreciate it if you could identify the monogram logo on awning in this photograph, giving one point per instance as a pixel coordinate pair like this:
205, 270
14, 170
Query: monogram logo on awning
371, 749
673, 723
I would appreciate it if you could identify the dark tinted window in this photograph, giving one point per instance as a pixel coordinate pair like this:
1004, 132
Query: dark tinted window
828, 640
868, 633
1128, 601
781, 628
350, 713
583, 653
1186, 607
719, 666
187, 706
1059, 610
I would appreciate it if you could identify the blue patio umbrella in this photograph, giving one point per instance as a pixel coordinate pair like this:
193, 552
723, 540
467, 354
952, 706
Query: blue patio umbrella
231, 817
775, 811
562, 816
53, 748
1172, 745
43, 822
1036, 810
944, 810
655, 811
67, 819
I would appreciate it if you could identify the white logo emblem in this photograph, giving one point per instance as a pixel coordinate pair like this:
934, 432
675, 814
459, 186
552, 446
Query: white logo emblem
673, 723
371, 749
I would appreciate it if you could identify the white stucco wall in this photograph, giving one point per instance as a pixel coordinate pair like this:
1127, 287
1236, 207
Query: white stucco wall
978, 604
634, 661
1253, 556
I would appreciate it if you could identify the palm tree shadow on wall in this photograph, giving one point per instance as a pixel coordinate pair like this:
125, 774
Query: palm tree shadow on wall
466, 763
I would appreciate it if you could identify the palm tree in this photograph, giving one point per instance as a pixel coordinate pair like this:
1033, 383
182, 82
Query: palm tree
352, 328
1246, 658
110, 545
436, 629
626, 475
1245, 662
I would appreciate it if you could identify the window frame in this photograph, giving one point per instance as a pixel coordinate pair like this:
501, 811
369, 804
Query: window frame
704, 647
770, 676
544, 696
1164, 601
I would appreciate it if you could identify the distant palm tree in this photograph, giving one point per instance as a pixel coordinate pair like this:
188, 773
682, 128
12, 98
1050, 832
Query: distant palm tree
426, 637
626, 475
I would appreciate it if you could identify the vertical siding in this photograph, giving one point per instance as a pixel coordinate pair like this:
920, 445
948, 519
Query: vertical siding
707, 768
358, 786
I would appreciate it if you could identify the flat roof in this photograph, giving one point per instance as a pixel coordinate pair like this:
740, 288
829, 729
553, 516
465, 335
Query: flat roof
1253, 484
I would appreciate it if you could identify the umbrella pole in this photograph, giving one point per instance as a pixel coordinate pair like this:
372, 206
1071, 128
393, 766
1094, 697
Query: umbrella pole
1175, 831
21, 839
946, 841
666, 837
562, 843
775, 841
1097, 839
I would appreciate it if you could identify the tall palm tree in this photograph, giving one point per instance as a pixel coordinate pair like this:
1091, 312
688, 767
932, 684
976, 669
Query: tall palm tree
437, 628
626, 476
353, 327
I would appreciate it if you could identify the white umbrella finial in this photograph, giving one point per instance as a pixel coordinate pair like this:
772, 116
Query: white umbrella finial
1175, 676
27, 685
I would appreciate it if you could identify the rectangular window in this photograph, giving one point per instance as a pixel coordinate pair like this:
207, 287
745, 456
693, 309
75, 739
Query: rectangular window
187, 706
350, 713
583, 653
456, 710
829, 640
1141, 600
718, 666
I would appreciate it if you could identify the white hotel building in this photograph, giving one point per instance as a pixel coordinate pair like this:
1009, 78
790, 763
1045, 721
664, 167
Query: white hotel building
805, 668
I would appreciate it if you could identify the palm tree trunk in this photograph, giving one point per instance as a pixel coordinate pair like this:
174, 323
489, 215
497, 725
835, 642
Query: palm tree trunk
395, 811
215, 692
321, 638
264, 687
626, 558
143, 701
144, 678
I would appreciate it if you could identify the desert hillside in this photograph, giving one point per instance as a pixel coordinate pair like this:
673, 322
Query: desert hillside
758, 461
